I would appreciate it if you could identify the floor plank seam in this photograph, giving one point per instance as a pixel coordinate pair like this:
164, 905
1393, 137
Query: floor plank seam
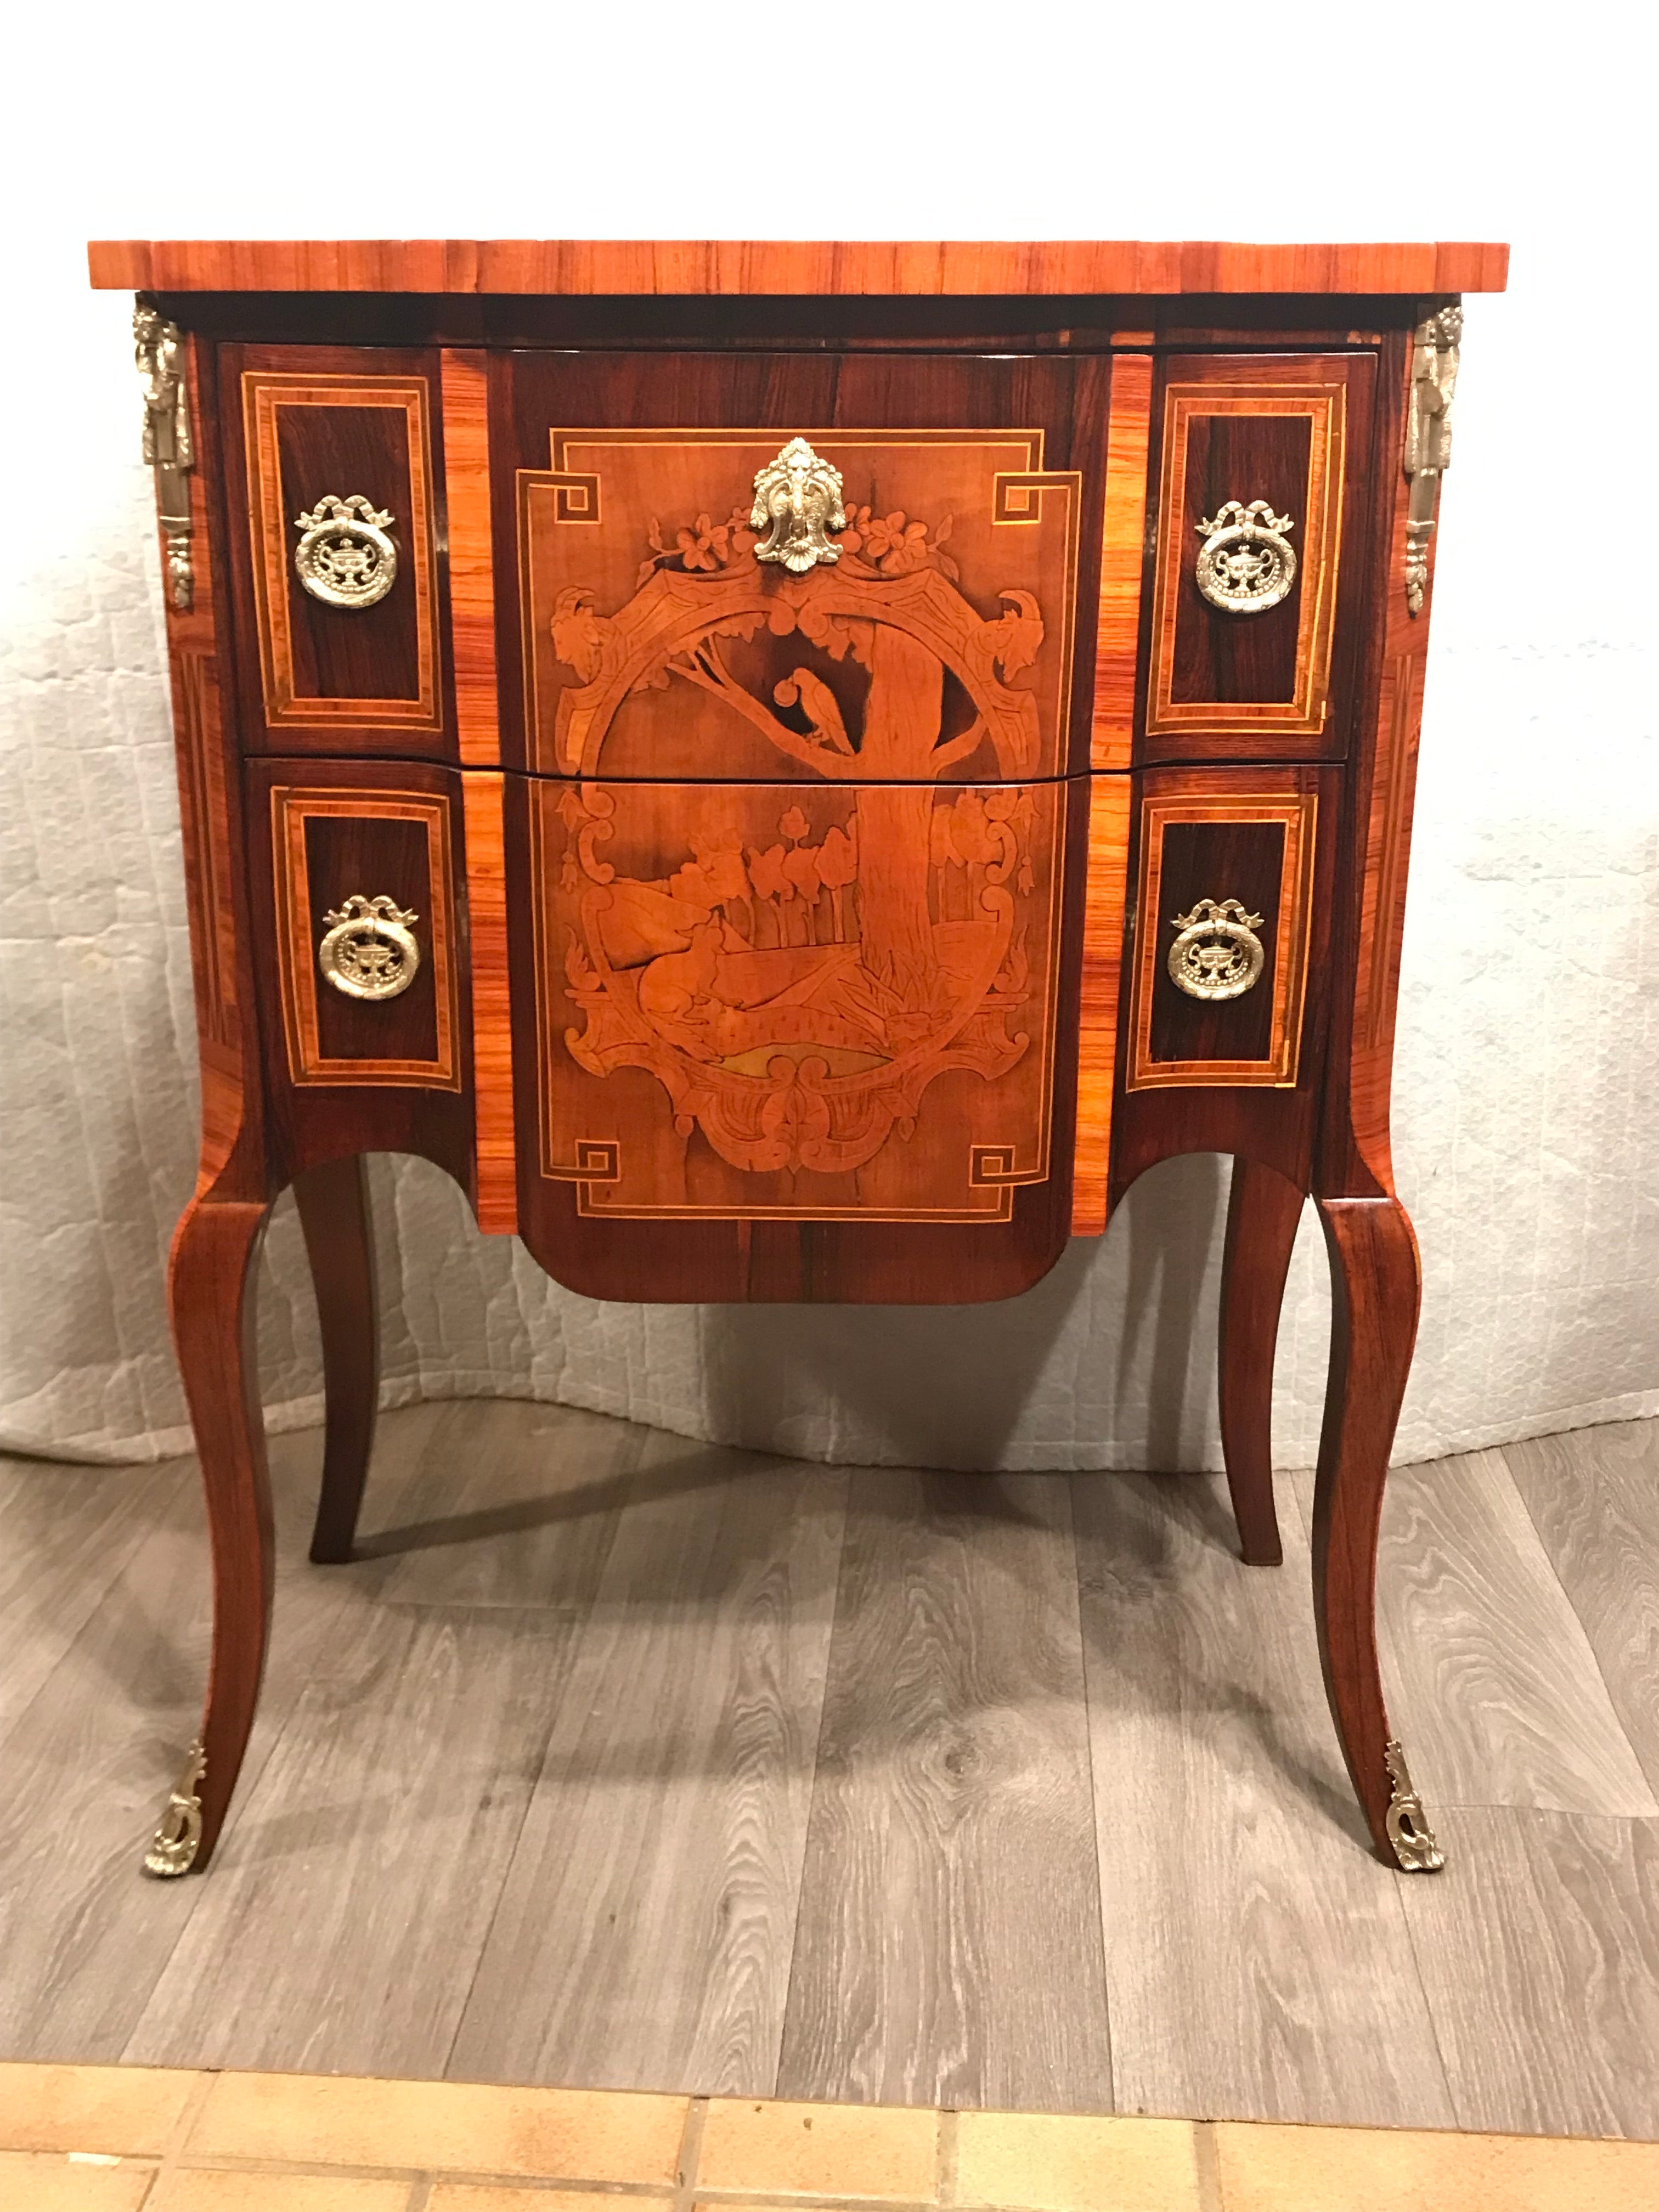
788, 2006
1648, 1774
1111, 2074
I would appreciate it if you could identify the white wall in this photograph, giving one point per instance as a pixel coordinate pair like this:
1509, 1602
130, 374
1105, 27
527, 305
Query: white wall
1529, 1024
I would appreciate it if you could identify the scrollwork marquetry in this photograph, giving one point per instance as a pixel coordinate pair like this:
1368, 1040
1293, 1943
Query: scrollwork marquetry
169, 448
1435, 348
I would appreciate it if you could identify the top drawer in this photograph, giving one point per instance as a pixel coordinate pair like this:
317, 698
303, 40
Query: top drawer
767, 567
334, 458
1254, 590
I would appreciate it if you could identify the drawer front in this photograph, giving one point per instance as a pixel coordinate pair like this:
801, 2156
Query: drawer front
844, 999
833, 1016
1258, 476
1233, 888
335, 492
905, 612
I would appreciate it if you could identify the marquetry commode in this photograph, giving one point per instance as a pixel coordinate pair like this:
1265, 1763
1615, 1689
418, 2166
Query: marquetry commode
797, 772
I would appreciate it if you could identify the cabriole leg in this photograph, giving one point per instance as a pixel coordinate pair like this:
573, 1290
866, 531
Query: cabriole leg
209, 1293
1262, 1214
1376, 1289
334, 1215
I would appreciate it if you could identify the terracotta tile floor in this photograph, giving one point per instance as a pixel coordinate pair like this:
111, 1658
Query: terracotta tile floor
138, 2139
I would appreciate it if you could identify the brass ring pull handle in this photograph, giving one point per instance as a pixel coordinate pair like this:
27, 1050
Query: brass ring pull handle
1245, 563
345, 558
369, 951
1218, 954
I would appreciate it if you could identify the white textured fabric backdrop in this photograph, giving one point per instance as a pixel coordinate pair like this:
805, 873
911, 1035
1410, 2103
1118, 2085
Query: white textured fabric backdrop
1528, 1052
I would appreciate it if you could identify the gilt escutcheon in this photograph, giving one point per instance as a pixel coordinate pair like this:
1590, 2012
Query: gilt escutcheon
798, 499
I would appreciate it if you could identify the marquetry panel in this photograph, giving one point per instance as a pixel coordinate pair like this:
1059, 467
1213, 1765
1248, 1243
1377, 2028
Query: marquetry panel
795, 1003
1252, 839
939, 644
1279, 429
307, 434
329, 842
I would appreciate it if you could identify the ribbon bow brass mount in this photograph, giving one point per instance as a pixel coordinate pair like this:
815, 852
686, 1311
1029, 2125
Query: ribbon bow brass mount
1245, 564
369, 951
797, 496
1218, 954
345, 558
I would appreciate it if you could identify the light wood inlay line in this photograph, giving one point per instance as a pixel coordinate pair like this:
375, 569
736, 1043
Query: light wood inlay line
1122, 561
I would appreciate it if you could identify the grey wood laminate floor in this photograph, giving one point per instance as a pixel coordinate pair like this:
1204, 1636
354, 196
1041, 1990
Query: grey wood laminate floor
622, 1760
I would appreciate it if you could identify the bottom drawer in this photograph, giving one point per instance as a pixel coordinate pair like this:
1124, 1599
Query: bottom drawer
1229, 889
793, 1039
1228, 985
358, 877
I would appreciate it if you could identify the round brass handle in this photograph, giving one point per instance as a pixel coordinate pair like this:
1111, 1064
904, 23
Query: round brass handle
1218, 954
345, 558
1245, 563
369, 951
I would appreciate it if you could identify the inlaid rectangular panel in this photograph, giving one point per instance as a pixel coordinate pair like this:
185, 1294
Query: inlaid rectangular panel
795, 1003
1225, 891
1257, 465
937, 642
330, 845
308, 435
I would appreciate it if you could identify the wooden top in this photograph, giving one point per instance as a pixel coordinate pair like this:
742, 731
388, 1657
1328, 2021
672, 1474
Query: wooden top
761, 266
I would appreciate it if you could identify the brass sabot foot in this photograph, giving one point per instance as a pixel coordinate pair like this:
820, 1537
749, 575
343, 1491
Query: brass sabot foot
173, 1846
1409, 1832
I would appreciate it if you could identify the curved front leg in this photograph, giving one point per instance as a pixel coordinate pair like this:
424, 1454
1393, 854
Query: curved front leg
209, 1294
1376, 1290
334, 1216
1263, 1210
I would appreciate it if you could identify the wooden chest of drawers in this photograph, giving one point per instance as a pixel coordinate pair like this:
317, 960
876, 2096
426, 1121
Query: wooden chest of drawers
797, 773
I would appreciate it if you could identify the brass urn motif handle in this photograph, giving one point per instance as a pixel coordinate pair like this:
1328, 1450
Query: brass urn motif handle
798, 498
1218, 954
369, 951
345, 558
1245, 563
